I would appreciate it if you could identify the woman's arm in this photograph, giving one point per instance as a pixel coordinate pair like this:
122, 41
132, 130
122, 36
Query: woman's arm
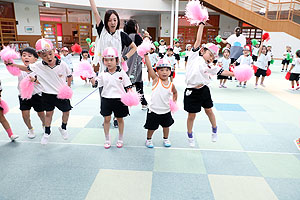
95, 12
131, 52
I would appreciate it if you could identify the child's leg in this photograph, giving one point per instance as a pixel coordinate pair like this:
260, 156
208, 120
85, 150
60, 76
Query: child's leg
211, 116
293, 84
245, 82
6, 125
221, 81
65, 118
26, 118
149, 143
166, 131
121, 128
48, 120
256, 80
42, 117
190, 124
224, 81
262, 80
106, 127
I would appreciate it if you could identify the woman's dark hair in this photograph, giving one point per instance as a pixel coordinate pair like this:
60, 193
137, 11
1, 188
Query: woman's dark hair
83, 51
107, 16
130, 26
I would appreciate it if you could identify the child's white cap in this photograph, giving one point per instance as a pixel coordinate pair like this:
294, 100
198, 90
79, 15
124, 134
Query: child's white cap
64, 49
110, 52
43, 45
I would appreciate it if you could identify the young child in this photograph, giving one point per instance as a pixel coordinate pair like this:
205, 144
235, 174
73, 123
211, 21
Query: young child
177, 50
66, 57
188, 49
269, 54
85, 56
162, 48
287, 56
295, 71
159, 112
224, 62
5, 123
262, 64
52, 74
244, 59
29, 56
153, 57
171, 58
255, 50
197, 93
113, 80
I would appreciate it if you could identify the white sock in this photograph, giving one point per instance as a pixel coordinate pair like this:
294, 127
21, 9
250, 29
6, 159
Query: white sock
121, 137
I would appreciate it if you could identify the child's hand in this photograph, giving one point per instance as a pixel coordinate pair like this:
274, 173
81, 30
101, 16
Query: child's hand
8, 62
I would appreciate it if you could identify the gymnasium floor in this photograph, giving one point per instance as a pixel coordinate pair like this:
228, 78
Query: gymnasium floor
255, 157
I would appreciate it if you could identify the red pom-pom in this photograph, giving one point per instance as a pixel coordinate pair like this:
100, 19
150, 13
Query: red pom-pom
266, 37
287, 76
91, 52
268, 73
254, 68
231, 68
76, 48
173, 74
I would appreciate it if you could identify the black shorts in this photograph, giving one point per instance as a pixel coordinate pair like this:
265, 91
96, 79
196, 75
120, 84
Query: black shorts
172, 73
222, 77
269, 62
109, 106
154, 120
194, 99
51, 101
177, 57
254, 58
260, 72
232, 60
186, 58
161, 55
285, 61
294, 77
36, 102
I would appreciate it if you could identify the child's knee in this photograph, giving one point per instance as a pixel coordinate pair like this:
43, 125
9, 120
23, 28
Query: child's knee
191, 116
208, 111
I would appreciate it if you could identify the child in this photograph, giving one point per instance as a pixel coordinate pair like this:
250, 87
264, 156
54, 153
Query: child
159, 112
255, 50
162, 48
153, 57
188, 49
177, 50
262, 64
66, 57
269, 54
85, 56
52, 74
287, 56
295, 71
224, 62
113, 80
244, 59
197, 93
171, 58
5, 123
29, 56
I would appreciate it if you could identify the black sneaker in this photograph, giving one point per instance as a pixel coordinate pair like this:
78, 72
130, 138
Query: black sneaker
116, 123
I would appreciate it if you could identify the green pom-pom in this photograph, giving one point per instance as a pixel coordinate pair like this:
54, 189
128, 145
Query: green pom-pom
91, 46
156, 43
182, 53
218, 39
254, 42
272, 62
88, 40
288, 56
176, 40
291, 60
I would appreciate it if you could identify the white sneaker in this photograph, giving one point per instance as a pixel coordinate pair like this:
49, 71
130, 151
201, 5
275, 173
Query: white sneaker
63, 133
45, 139
14, 137
144, 107
167, 143
191, 142
244, 86
255, 87
149, 144
262, 85
31, 134
214, 137
292, 89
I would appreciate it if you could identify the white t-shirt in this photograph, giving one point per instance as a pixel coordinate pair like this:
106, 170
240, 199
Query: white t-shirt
269, 55
233, 40
67, 59
160, 98
296, 64
153, 57
113, 83
187, 53
162, 48
51, 79
172, 60
198, 71
262, 62
89, 60
255, 51
225, 63
177, 50
37, 87
245, 60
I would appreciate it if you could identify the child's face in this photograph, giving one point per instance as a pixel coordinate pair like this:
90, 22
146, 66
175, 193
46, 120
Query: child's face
269, 48
177, 44
189, 48
85, 55
164, 73
246, 53
228, 46
264, 50
288, 48
110, 63
226, 53
28, 58
257, 45
170, 52
48, 57
208, 56
152, 50
65, 53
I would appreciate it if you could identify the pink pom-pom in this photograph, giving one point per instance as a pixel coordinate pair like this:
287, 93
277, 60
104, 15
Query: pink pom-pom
243, 72
195, 12
9, 54
65, 93
13, 70
131, 98
26, 88
173, 106
125, 66
4, 105
266, 37
76, 48
85, 70
144, 48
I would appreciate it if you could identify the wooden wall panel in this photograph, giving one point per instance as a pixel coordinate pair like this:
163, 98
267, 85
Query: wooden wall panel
30, 38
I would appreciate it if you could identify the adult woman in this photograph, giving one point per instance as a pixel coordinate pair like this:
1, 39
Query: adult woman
135, 61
